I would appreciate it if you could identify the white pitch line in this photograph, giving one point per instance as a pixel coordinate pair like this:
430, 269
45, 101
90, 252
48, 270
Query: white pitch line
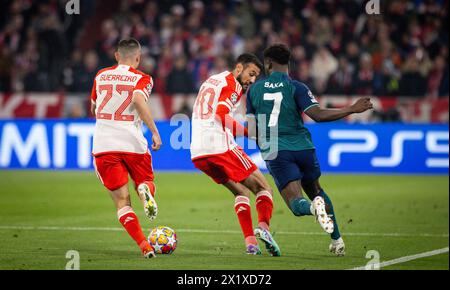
406, 259
115, 229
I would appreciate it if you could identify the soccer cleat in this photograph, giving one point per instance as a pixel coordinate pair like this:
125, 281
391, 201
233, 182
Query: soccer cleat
319, 211
150, 207
253, 250
148, 251
337, 247
271, 244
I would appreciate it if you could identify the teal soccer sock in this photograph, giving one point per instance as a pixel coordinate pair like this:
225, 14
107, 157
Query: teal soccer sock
330, 210
300, 206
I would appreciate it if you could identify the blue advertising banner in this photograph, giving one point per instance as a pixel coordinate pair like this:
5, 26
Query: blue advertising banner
341, 147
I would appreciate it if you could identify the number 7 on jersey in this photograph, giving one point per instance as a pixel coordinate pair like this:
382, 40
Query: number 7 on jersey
276, 98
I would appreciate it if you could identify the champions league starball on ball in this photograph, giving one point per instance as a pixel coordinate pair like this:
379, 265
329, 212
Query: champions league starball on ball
163, 239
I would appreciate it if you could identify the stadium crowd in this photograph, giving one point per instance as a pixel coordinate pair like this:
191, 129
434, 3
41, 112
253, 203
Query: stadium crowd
337, 48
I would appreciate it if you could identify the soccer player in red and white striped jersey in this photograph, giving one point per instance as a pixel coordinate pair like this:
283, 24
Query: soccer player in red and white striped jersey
215, 152
119, 102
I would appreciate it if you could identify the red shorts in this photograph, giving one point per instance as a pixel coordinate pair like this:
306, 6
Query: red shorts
113, 168
232, 165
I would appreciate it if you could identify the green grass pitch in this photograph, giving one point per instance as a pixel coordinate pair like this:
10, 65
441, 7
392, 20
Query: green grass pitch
45, 214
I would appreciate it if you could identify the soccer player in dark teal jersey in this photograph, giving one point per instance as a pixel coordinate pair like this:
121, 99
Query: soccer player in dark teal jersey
275, 105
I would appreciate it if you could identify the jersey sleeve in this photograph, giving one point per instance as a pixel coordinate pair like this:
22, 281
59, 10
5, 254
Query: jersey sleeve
94, 92
144, 86
230, 94
229, 97
303, 96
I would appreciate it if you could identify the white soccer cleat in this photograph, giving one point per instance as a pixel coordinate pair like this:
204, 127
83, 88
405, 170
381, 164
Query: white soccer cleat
150, 207
270, 243
319, 211
337, 247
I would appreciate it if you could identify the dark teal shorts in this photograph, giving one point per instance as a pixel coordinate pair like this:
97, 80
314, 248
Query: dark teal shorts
289, 166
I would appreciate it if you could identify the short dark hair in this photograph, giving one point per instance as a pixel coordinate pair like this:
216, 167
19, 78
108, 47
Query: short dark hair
279, 53
247, 58
127, 46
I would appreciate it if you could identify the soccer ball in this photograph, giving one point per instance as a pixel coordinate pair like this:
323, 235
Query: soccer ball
163, 239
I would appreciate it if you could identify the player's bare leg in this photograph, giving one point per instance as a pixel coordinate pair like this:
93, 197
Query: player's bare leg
243, 212
146, 192
129, 220
337, 245
292, 195
121, 197
258, 184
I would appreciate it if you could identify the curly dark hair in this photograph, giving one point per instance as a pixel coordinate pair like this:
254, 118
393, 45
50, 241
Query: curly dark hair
279, 53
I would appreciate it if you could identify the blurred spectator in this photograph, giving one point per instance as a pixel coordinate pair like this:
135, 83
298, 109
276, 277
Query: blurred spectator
51, 48
180, 75
303, 75
364, 76
6, 64
220, 65
322, 66
83, 76
340, 82
386, 82
105, 47
245, 16
386, 55
412, 83
148, 65
164, 66
298, 58
322, 30
29, 77
41, 48
438, 79
352, 55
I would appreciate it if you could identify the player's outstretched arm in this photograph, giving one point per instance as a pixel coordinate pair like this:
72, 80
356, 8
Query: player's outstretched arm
319, 114
222, 115
146, 116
